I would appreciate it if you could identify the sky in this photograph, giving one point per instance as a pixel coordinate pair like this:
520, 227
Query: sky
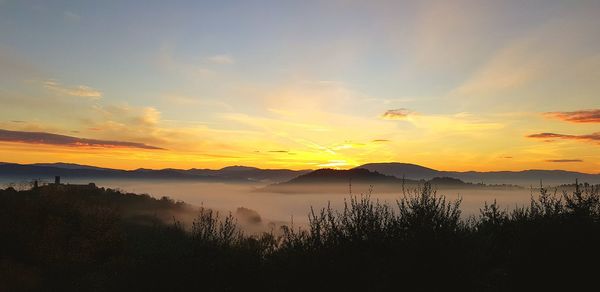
452, 85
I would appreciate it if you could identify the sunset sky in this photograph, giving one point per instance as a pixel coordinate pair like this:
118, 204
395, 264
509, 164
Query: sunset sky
452, 85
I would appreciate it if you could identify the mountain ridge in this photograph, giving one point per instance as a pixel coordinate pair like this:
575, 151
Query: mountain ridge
522, 177
241, 173
68, 170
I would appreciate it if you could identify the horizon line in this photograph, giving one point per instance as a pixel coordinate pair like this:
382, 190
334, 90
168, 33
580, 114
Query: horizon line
291, 169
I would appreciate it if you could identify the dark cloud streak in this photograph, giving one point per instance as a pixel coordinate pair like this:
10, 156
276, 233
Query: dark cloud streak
581, 116
396, 114
594, 137
564, 160
63, 140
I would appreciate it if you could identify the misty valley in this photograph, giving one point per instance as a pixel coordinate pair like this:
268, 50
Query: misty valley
85, 236
280, 195
320, 145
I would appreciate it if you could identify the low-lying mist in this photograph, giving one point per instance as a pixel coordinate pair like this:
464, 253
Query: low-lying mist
258, 210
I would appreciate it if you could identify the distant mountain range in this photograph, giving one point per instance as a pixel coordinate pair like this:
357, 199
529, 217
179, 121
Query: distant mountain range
47, 171
249, 173
372, 173
524, 178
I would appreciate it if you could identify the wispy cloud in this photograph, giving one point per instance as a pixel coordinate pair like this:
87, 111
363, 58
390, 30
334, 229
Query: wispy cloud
184, 100
396, 114
594, 137
564, 160
80, 90
71, 16
171, 62
580, 116
222, 59
511, 67
63, 140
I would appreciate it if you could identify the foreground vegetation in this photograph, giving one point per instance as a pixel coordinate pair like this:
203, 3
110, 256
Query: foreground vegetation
93, 239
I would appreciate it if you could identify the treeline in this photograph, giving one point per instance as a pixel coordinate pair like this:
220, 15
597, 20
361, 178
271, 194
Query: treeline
56, 238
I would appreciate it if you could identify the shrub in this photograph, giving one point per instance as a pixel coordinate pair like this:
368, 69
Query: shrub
57, 238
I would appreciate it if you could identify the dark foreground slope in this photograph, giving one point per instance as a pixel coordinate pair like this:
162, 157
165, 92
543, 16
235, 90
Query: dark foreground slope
61, 238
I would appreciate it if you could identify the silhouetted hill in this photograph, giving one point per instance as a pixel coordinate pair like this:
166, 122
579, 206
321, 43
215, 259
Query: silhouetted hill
524, 178
446, 181
399, 170
355, 175
338, 181
334, 180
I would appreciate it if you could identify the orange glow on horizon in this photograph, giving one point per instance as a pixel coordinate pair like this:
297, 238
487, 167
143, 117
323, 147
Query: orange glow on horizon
130, 159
